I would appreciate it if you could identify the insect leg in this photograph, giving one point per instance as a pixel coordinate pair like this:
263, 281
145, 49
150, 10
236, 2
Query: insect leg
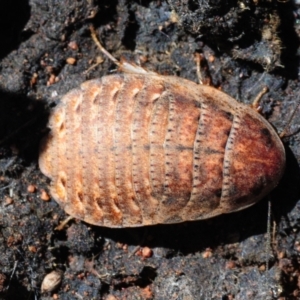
199, 58
256, 102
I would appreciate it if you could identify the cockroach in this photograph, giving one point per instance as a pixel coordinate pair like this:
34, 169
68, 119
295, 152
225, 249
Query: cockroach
139, 148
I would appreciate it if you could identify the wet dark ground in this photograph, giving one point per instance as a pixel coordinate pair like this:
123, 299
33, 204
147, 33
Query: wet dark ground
247, 45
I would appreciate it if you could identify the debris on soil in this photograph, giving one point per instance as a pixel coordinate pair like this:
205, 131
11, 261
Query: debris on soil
44, 196
51, 281
31, 188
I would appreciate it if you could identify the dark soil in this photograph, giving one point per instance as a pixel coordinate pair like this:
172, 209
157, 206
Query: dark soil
247, 45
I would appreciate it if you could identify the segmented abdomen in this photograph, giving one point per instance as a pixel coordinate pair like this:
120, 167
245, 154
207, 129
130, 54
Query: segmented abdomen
131, 150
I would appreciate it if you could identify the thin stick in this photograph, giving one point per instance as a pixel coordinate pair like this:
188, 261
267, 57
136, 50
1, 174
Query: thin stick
12, 274
284, 131
268, 245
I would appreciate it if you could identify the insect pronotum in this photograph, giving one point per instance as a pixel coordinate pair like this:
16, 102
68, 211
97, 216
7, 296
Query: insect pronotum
139, 148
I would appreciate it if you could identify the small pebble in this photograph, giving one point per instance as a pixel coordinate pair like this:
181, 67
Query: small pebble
8, 201
44, 196
71, 60
33, 79
147, 293
211, 58
230, 265
31, 188
281, 254
32, 249
262, 268
147, 252
51, 80
73, 45
207, 253
119, 245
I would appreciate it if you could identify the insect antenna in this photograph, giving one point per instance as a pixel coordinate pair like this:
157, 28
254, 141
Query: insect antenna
127, 67
102, 49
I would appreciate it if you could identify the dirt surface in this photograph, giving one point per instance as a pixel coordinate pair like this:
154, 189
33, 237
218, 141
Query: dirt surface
46, 50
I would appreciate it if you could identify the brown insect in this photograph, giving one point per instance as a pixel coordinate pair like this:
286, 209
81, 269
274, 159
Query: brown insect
140, 148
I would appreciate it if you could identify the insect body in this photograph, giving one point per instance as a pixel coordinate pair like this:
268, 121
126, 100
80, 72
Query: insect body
137, 149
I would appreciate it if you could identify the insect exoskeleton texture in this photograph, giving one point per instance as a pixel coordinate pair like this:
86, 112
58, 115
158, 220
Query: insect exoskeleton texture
129, 150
